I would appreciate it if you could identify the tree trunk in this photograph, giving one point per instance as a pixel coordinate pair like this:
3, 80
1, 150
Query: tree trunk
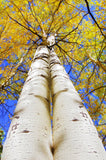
74, 134
30, 136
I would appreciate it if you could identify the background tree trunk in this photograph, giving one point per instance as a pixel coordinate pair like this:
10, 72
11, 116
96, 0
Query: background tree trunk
74, 134
29, 136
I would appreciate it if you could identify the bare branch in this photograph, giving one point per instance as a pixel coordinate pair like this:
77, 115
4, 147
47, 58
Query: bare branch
89, 12
95, 90
53, 14
24, 26
61, 49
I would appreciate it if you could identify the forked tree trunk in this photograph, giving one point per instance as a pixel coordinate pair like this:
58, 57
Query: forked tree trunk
74, 134
30, 136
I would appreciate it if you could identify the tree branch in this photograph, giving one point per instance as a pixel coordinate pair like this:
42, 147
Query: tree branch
24, 26
89, 12
95, 90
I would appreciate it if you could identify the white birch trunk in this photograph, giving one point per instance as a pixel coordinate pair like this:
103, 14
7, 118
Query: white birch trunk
74, 135
29, 136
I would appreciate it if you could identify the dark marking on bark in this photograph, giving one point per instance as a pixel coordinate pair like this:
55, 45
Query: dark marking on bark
80, 106
43, 76
28, 80
57, 93
31, 94
42, 56
54, 76
17, 117
84, 114
42, 59
47, 67
42, 98
14, 127
25, 131
45, 61
53, 62
95, 151
75, 119
52, 150
38, 113
17, 112
66, 77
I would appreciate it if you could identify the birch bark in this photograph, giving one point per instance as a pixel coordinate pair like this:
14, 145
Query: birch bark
74, 135
29, 136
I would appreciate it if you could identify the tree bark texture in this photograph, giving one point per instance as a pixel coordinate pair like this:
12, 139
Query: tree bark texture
30, 134
74, 134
